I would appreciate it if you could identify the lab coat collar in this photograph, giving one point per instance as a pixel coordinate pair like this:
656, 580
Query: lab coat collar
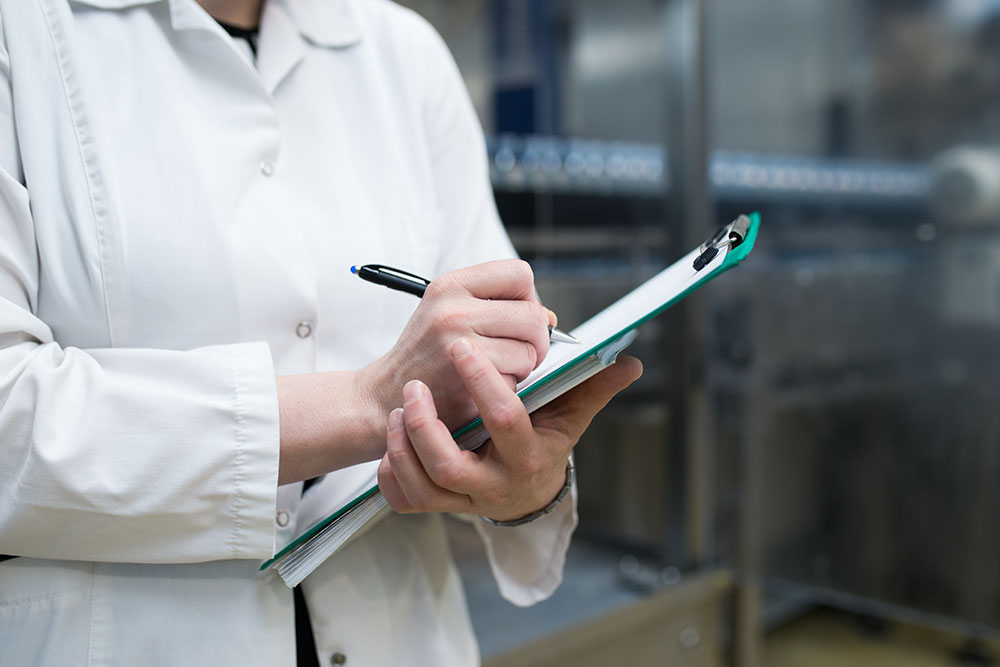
281, 45
331, 23
184, 14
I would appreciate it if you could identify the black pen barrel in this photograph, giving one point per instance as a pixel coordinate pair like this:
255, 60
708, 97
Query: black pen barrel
391, 281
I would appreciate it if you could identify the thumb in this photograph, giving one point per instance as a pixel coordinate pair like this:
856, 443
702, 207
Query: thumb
572, 412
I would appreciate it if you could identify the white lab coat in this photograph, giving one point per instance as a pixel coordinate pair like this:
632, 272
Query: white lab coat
176, 228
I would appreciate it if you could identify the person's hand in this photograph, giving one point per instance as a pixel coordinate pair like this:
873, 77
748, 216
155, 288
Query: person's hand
335, 419
493, 305
518, 471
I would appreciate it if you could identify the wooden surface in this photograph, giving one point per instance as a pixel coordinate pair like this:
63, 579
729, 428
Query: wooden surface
833, 639
678, 626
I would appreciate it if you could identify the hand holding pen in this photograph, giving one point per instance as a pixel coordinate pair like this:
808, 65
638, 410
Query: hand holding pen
494, 305
404, 281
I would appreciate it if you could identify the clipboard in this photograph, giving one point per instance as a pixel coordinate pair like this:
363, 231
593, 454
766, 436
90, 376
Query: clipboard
602, 338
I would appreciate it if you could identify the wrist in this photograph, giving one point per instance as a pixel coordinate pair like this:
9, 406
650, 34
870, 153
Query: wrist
328, 421
372, 404
570, 476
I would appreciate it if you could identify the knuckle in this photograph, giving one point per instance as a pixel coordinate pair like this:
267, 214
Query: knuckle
531, 356
539, 333
541, 352
401, 505
522, 371
439, 287
531, 466
398, 503
418, 423
522, 270
530, 360
541, 315
446, 319
397, 457
422, 501
480, 374
394, 496
448, 474
505, 415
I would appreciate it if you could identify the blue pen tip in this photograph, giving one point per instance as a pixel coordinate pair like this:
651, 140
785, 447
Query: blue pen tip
354, 269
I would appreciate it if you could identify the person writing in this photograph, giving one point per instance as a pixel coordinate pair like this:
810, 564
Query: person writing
183, 186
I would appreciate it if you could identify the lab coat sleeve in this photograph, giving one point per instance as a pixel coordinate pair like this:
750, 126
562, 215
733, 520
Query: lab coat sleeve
472, 230
527, 561
128, 455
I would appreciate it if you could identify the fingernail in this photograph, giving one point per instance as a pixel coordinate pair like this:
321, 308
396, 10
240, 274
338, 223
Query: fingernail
461, 348
396, 419
413, 390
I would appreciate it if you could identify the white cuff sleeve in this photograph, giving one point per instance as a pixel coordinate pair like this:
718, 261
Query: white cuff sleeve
527, 561
138, 455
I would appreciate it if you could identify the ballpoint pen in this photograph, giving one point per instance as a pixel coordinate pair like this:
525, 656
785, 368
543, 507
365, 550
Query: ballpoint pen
405, 281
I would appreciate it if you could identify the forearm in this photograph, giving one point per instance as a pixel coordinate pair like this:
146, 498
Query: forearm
328, 421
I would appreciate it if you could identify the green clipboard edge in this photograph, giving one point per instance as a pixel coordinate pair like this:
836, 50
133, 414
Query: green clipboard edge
733, 258
365, 495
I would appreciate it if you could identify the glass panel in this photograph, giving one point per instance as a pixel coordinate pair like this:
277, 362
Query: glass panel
852, 367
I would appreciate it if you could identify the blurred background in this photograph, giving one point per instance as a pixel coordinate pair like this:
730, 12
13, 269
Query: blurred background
809, 471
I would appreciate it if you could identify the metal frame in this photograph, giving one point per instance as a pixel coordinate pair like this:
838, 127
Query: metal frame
689, 208
689, 211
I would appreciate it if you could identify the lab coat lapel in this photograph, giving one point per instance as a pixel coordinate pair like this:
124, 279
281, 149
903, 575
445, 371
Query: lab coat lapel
328, 23
290, 27
280, 48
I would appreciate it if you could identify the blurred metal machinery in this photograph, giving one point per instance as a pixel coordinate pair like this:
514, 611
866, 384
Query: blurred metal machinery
566, 166
819, 422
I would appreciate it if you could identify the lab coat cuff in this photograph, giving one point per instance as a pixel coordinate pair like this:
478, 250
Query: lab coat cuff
255, 463
527, 561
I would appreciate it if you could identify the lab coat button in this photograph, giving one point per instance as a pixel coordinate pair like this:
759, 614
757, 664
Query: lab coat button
267, 167
303, 330
281, 518
338, 658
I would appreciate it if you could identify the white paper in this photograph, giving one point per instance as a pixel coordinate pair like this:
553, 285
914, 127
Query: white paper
624, 313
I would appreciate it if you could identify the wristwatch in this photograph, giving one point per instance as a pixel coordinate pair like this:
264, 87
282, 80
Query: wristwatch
528, 518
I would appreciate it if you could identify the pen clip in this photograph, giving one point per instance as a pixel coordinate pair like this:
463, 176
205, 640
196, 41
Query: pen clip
738, 229
730, 235
399, 273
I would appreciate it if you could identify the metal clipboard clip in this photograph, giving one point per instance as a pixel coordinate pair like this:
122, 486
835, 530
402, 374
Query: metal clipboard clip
730, 236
